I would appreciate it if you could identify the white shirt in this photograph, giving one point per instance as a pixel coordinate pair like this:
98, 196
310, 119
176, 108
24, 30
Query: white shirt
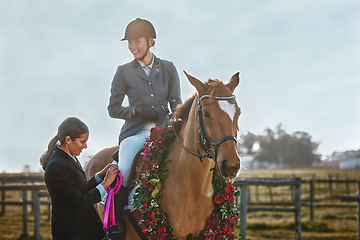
147, 68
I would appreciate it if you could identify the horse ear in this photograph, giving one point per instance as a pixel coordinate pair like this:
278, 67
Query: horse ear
234, 81
196, 82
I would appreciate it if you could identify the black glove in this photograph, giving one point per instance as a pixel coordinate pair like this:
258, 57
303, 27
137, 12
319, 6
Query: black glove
146, 112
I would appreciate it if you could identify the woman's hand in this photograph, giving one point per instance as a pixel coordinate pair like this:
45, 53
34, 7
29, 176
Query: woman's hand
103, 171
110, 176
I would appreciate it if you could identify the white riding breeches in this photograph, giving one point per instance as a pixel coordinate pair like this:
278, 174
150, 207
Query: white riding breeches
128, 148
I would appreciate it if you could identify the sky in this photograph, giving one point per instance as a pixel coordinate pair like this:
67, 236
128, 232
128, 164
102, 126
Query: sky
299, 63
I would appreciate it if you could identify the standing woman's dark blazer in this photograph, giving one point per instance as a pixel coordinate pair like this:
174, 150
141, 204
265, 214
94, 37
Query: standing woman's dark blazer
72, 196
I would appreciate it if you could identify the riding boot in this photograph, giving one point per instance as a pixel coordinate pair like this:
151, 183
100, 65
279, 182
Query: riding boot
120, 201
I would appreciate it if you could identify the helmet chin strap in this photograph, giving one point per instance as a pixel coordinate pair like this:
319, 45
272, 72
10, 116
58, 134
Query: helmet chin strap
147, 50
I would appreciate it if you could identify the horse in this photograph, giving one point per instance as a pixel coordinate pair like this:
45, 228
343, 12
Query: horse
206, 130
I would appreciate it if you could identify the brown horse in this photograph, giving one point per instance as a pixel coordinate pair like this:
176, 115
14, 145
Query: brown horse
206, 125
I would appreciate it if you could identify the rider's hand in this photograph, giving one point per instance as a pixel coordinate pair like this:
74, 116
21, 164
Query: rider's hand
146, 112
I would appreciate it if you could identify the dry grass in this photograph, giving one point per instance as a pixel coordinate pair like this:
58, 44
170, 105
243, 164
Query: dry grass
329, 223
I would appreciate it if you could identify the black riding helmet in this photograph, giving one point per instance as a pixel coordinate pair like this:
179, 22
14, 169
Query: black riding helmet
139, 28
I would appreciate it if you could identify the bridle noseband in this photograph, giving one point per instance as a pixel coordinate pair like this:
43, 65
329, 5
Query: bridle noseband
204, 142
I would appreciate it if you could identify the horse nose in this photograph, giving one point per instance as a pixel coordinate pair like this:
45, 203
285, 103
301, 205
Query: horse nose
229, 171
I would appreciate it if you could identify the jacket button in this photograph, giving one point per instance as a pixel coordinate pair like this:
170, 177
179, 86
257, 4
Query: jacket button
151, 95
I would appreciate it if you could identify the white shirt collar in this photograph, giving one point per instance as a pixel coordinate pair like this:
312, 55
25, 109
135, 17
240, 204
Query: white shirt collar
148, 66
68, 154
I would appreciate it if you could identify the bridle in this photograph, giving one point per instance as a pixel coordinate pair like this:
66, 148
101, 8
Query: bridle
204, 141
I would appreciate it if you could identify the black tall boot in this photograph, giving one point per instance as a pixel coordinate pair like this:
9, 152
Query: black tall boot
120, 201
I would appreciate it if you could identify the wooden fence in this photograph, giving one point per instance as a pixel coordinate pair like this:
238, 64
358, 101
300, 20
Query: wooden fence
35, 184
35, 188
244, 208
297, 195
355, 198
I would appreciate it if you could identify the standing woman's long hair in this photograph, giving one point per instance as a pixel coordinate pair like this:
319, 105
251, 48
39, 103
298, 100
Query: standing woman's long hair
72, 127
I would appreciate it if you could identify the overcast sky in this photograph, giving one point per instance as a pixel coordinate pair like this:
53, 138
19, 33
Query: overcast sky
299, 63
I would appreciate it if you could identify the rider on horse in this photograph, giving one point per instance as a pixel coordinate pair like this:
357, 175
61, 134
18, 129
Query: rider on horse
150, 84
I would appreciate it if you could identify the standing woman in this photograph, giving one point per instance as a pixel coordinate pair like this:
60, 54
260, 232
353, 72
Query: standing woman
151, 84
72, 196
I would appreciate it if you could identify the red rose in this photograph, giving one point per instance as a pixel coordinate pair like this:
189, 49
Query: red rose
151, 214
153, 163
164, 130
230, 236
219, 198
227, 190
161, 145
231, 186
153, 134
144, 181
161, 229
220, 237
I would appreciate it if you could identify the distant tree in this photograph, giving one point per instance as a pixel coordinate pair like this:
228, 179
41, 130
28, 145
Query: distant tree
278, 147
247, 143
27, 168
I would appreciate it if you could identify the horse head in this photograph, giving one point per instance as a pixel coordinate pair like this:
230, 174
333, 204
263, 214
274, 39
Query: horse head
217, 115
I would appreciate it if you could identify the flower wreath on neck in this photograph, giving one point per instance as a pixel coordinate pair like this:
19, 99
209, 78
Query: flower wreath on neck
221, 223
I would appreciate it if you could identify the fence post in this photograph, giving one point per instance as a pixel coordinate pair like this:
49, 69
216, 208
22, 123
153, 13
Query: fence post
3, 199
243, 210
36, 207
347, 187
298, 209
25, 214
312, 192
331, 188
271, 194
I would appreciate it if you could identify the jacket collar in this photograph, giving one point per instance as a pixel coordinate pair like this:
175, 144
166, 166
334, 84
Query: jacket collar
66, 156
141, 73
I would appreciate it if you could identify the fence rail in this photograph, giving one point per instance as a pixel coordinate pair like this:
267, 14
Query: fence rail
355, 198
297, 186
244, 209
35, 188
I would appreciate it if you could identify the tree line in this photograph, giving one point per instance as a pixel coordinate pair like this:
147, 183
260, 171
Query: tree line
295, 150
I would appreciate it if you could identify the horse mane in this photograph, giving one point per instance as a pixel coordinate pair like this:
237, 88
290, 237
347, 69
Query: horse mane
215, 88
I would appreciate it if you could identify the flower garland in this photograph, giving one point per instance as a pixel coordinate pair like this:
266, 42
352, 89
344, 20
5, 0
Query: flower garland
221, 223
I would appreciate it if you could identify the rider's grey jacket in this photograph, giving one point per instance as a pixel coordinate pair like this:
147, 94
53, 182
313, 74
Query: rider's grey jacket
160, 88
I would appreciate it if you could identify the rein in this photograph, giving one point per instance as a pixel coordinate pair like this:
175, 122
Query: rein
204, 142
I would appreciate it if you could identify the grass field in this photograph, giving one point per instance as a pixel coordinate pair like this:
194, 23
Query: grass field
329, 223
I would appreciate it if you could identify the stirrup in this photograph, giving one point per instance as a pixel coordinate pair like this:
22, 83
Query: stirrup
114, 233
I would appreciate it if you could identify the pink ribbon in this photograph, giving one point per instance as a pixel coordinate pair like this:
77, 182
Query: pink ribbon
109, 210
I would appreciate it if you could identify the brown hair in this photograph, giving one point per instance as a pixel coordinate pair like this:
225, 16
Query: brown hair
72, 127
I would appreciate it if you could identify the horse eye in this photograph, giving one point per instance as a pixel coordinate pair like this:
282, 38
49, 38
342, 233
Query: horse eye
206, 114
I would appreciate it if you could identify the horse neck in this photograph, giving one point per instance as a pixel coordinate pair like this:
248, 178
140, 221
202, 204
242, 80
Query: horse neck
187, 195
189, 168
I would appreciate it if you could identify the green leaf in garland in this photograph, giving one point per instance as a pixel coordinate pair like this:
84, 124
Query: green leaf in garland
154, 181
162, 175
149, 195
155, 193
189, 237
164, 168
